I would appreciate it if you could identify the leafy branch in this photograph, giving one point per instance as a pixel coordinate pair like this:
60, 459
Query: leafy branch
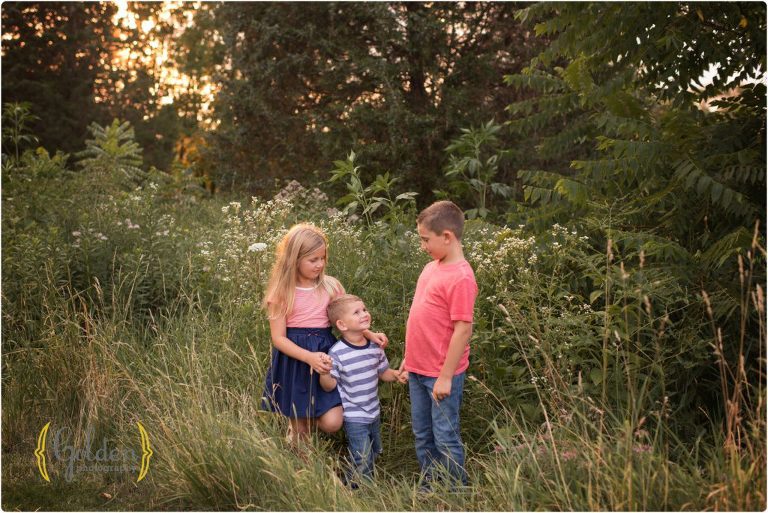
377, 196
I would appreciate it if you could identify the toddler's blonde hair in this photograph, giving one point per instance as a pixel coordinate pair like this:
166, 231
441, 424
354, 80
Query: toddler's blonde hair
301, 240
339, 306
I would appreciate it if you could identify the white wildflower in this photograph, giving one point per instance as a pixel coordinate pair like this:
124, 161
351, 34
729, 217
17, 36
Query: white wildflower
257, 246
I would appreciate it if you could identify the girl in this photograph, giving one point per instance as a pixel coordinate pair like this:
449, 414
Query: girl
297, 296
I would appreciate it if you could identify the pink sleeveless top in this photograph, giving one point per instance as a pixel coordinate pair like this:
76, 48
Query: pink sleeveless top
309, 309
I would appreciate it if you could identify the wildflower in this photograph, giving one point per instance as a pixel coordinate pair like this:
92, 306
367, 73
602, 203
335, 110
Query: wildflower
639, 449
568, 455
130, 224
76, 234
257, 246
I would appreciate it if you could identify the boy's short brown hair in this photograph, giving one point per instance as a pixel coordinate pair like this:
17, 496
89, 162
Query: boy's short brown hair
338, 305
441, 216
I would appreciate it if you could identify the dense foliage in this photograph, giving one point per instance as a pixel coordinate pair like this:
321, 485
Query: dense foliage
625, 147
392, 82
75, 65
52, 53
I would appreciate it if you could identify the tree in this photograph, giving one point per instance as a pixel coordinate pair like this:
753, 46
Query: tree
77, 63
306, 83
53, 53
633, 146
153, 79
639, 132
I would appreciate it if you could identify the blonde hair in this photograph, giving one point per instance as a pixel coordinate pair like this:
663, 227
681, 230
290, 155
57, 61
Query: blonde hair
441, 216
338, 306
301, 240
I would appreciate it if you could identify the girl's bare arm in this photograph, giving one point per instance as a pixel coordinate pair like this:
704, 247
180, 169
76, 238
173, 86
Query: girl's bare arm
379, 338
319, 361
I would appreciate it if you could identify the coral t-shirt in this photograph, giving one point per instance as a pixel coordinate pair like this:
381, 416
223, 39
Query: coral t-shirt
445, 293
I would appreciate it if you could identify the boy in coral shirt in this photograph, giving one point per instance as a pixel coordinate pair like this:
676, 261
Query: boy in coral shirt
437, 342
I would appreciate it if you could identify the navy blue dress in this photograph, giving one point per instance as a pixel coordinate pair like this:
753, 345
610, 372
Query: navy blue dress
290, 388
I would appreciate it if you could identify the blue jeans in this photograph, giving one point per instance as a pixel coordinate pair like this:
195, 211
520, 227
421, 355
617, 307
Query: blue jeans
364, 445
436, 427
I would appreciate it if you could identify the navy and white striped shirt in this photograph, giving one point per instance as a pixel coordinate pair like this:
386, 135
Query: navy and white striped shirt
356, 370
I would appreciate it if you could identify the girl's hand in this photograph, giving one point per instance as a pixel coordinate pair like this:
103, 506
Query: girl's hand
380, 338
320, 362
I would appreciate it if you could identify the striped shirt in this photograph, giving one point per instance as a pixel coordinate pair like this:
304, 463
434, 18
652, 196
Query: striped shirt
356, 370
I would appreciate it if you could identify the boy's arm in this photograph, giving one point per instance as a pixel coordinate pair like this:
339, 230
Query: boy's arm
328, 382
402, 374
389, 375
462, 331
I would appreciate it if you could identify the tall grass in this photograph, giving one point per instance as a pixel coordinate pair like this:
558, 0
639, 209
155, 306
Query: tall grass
571, 404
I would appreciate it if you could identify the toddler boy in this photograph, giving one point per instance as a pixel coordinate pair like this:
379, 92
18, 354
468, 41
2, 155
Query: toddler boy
358, 364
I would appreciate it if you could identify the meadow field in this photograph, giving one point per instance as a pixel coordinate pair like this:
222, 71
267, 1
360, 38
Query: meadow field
139, 301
